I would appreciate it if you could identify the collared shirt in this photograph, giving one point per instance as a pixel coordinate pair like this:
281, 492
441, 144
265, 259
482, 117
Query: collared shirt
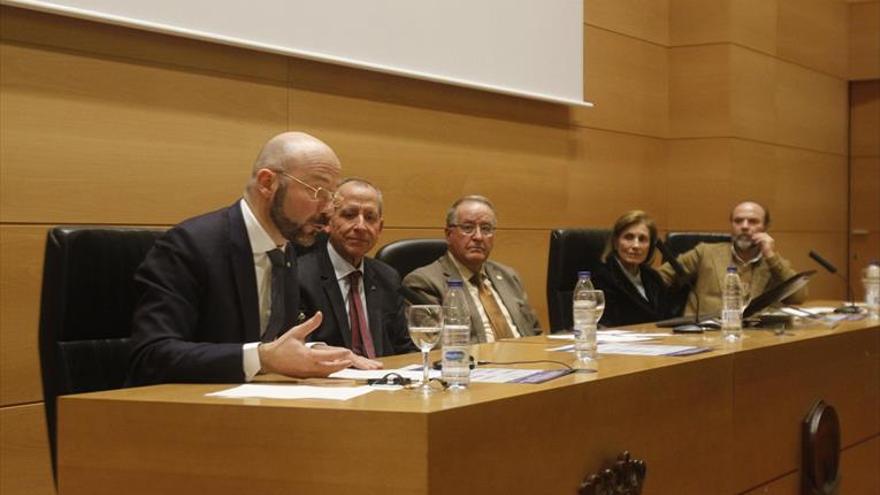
466, 275
343, 269
636, 279
261, 244
745, 268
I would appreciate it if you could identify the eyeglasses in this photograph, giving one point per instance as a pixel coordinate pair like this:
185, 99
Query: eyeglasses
486, 229
319, 193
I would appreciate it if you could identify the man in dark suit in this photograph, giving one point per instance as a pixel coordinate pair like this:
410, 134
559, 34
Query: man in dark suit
359, 296
498, 304
218, 292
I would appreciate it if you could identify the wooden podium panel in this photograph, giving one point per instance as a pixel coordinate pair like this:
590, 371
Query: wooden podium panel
719, 422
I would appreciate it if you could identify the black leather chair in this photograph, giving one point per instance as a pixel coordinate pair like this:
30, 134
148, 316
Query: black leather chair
88, 298
681, 242
406, 255
571, 251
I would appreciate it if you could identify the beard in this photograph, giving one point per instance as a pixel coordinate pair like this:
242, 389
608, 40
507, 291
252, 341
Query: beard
303, 234
743, 242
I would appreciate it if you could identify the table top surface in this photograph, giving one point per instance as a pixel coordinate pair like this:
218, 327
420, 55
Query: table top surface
523, 349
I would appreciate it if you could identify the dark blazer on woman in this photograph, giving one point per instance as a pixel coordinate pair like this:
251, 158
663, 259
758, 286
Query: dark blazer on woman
624, 305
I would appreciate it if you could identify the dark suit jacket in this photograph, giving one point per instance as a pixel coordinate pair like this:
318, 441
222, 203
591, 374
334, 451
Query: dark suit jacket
624, 305
385, 307
430, 283
198, 303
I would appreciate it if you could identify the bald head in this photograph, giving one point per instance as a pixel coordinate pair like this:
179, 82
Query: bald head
291, 151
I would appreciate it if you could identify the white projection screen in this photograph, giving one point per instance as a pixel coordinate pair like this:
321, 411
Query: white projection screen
527, 48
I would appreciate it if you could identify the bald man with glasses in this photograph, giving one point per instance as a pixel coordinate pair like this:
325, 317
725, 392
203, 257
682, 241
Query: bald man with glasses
219, 295
499, 307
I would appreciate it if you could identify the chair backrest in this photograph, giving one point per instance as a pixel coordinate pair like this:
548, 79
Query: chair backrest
571, 251
681, 242
406, 255
88, 298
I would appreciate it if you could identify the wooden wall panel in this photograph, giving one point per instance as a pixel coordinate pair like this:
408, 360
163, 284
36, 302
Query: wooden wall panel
824, 23
811, 109
752, 95
425, 157
643, 19
864, 40
626, 79
806, 190
862, 459
864, 137
21, 272
865, 184
24, 449
105, 40
136, 138
749, 23
699, 91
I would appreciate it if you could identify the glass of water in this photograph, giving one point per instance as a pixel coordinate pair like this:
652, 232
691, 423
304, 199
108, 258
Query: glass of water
588, 309
425, 323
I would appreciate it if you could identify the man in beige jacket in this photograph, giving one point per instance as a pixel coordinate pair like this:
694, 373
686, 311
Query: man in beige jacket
752, 251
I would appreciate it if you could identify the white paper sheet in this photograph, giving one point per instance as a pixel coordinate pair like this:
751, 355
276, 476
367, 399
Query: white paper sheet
291, 391
636, 349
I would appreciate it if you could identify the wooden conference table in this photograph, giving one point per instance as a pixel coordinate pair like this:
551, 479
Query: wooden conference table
725, 421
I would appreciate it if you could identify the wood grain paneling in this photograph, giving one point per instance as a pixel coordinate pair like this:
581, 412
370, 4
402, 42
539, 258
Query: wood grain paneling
861, 459
821, 22
865, 118
811, 109
750, 23
864, 40
865, 191
627, 79
424, 157
21, 272
140, 144
24, 449
699, 91
843, 370
642, 19
752, 96
787, 485
66, 34
807, 189
617, 172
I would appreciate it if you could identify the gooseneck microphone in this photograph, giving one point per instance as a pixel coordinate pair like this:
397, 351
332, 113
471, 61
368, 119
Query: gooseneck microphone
849, 307
680, 273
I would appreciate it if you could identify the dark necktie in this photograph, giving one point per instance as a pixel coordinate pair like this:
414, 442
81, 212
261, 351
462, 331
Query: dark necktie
276, 311
361, 339
493, 310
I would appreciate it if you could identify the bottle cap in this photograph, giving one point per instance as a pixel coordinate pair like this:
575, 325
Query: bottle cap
582, 274
454, 282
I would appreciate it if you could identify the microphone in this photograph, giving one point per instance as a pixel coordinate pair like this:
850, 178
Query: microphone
849, 308
680, 273
412, 296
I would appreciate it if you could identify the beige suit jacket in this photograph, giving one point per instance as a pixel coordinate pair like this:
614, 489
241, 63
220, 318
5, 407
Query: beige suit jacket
706, 265
430, 282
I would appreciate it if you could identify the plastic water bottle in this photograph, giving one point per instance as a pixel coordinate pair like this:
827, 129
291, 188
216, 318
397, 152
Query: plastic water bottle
584, 319
871, 280
456, 336
731, 305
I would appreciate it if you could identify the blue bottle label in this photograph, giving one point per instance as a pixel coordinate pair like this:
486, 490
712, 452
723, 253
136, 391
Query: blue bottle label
453, 355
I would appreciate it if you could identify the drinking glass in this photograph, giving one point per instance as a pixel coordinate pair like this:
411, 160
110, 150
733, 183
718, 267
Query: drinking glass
425, 323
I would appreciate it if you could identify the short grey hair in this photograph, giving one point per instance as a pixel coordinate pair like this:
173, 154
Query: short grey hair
471, 198
363, 182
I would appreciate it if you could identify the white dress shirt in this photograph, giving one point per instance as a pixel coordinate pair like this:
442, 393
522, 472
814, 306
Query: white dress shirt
343, 269
466, 275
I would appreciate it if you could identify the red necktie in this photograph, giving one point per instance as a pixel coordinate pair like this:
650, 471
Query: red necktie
361, 339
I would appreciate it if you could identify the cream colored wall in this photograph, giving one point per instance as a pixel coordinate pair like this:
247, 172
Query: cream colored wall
698, 104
